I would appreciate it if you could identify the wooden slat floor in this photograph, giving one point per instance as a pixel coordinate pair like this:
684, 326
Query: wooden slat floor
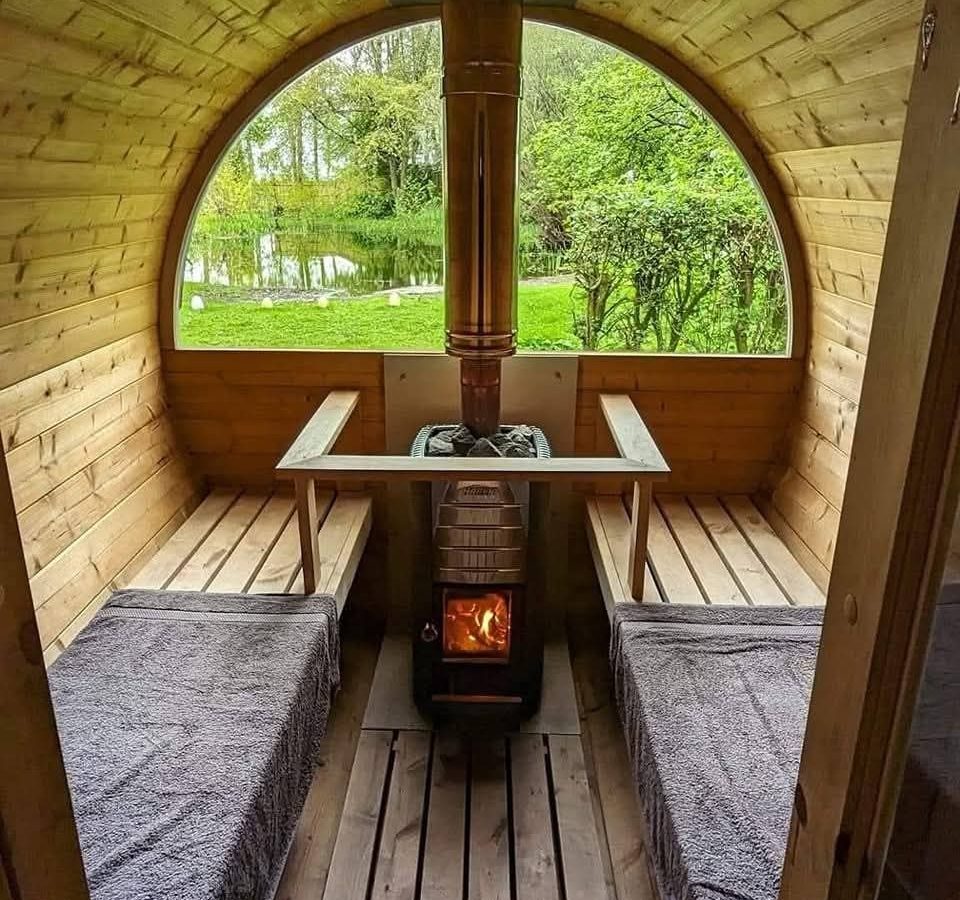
421, 815
443, 816
700, 549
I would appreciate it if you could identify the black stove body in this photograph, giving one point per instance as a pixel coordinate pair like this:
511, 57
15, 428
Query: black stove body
478, 623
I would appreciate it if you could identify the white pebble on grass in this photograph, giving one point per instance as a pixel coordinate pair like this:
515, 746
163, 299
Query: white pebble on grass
393, 299
266, 303
196, 302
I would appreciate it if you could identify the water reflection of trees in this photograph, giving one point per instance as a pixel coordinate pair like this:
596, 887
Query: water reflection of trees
334, 260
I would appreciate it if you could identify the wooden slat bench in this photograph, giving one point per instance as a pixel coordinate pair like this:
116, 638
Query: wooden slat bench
281, 542
249, 542
684, 549
701, 549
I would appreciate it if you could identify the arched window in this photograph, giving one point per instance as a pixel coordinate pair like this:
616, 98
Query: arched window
641, 229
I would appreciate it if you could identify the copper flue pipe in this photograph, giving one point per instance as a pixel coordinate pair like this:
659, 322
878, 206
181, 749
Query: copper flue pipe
481, 90
480, 394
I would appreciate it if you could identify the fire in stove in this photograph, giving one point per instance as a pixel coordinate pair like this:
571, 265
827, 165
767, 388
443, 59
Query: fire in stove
476, 626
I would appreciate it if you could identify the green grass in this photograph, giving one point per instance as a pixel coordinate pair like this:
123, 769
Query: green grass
545, 320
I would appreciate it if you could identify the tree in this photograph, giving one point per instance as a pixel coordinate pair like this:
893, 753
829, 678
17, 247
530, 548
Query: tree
697, 265
755, 270
600, 260
377, 106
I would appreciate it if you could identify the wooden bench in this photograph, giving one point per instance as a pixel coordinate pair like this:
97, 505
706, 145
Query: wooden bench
257, 541
680, 549
248, 542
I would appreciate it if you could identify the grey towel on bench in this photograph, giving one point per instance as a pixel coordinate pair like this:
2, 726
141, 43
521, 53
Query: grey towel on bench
190, 726
714, 702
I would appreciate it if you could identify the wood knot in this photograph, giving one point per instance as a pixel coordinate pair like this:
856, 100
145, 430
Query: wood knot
800, 805
850, 610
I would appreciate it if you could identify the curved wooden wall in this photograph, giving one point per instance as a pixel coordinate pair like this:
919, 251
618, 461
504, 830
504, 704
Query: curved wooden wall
105, 107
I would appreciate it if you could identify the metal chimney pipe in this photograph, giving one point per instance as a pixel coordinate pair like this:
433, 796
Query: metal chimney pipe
481, 93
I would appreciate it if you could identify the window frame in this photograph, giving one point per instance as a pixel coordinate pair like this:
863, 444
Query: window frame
633, 44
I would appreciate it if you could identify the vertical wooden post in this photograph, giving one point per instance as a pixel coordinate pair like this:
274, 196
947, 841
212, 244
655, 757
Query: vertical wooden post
308, 520
557, 551
639, 526
39, 850
897, 509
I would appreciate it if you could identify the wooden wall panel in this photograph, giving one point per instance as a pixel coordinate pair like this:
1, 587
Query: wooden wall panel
863, 172
94, 144
40, 852
842, 116
83, 440
237, 411
720, 422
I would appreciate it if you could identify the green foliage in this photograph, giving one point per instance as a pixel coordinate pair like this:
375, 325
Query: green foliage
625, 185
667, 237
357, 136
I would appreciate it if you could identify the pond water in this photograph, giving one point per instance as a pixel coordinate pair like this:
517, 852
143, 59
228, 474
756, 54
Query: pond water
329, 262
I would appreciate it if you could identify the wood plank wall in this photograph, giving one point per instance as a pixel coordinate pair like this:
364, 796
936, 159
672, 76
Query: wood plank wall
721, 423
103, 110
838, 167
96, 474
237, 411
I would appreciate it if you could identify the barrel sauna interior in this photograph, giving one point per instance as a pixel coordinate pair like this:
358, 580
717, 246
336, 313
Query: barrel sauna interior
114, 113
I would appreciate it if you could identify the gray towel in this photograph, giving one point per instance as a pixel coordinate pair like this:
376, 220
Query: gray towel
190, 726
714, 702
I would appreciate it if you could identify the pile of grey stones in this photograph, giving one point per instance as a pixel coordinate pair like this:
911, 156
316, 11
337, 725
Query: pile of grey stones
514, 441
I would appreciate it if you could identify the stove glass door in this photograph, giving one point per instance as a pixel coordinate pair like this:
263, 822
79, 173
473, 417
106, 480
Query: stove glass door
476, 625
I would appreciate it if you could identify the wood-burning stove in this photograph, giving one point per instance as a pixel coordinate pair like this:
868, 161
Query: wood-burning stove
478, 641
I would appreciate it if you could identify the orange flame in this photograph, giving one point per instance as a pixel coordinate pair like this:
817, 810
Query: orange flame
477, 626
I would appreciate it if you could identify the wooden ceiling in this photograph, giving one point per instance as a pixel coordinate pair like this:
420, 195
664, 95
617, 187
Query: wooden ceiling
131, 87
